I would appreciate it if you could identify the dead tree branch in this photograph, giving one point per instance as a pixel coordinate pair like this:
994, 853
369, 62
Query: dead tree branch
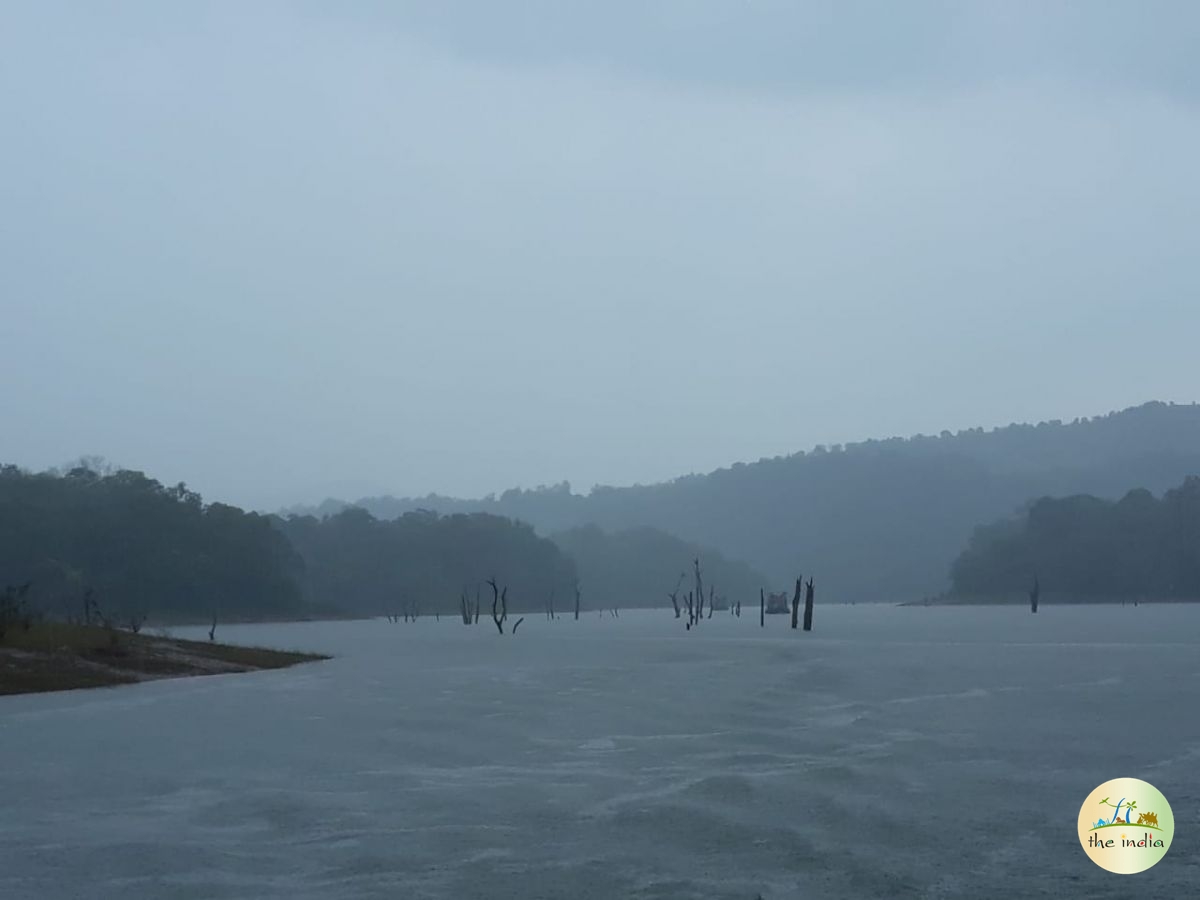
674, 595
496, 616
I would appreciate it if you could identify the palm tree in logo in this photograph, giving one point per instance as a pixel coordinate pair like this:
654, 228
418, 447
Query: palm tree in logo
1129, 807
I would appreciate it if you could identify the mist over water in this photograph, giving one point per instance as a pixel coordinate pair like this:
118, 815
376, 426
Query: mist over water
893, 752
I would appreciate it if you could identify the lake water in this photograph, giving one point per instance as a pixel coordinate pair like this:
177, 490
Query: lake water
893, 752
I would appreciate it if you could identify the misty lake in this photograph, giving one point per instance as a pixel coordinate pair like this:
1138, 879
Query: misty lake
893, 752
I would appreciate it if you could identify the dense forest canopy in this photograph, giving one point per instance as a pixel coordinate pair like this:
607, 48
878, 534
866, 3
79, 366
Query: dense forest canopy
423, 562
1086, 548
141, 547
640, 567
138, 547
877, 520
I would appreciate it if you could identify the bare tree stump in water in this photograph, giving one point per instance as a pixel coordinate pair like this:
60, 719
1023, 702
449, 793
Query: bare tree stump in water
674, 595
577, 592
762, 609
1034, 594
796, 603
517, 624
497, 617
212, 632
808, 606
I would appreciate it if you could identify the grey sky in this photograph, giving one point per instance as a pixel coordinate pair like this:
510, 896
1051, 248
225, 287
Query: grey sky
282, 251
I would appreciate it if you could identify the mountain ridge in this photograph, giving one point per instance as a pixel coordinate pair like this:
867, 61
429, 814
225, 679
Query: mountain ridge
876, 519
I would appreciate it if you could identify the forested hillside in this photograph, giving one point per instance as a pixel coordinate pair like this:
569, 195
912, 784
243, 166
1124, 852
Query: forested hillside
422, 562
878, 520
1084, 548
135, 548
141, 548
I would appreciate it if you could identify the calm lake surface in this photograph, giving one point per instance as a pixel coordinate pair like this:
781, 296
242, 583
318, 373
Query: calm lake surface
893, 752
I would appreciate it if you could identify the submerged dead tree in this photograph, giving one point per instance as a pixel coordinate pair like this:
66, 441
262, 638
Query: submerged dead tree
699, 612
1034, 593
476, 604
796, 602
577, 595
499, 605
808, 606
762, 608
212, 632
674, 595
464, 608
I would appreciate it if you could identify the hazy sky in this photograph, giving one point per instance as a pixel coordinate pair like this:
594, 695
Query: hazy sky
289, 250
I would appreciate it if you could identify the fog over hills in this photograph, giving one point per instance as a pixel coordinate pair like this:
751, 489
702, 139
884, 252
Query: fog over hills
877, 520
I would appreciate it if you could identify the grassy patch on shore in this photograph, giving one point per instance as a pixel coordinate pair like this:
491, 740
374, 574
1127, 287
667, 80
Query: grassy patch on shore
56, 656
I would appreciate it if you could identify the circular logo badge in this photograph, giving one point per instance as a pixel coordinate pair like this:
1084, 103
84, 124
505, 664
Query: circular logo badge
1126, 825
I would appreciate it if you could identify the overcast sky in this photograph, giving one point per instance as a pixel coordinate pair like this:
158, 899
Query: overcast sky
283, 251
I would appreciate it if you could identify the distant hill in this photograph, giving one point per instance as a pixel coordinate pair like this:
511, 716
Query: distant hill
1084, 548
877, 520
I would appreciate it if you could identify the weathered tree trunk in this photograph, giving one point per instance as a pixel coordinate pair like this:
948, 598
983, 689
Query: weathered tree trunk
476, 604
496, 617
212, 632
1033, 595
517, 624
762, 608
674, 595
796, 603
577, 601
808, 605
699, 594
711, 605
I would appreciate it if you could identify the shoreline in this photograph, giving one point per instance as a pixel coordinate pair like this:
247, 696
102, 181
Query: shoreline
1051, 600
62, 657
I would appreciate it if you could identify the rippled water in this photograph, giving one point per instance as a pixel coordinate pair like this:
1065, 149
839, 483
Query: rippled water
894, 752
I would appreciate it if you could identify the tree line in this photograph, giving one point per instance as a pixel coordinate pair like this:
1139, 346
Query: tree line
133, 546
1087, 548
122, 542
